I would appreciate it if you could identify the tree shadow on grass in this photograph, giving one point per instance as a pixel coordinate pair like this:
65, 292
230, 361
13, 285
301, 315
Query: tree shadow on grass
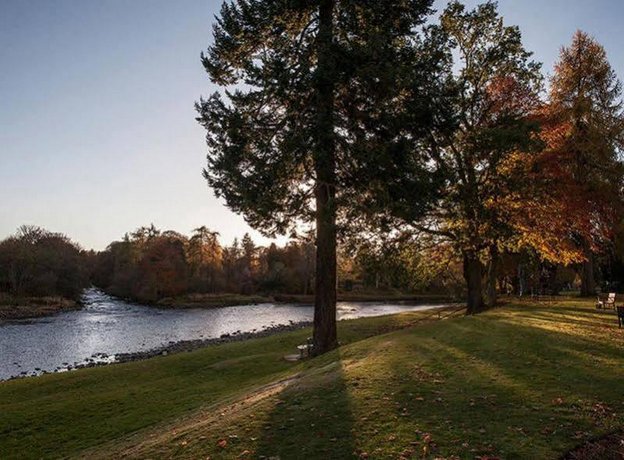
508, 387
313, 417
581, 317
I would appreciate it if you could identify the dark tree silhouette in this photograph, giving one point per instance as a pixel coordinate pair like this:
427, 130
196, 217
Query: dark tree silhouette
307, 83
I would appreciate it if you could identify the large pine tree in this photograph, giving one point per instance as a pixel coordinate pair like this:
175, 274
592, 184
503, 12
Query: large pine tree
308, 88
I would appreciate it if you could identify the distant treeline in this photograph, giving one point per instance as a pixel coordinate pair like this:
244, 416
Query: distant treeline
149, 265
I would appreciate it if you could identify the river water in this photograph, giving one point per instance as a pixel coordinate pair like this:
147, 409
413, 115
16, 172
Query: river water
110, 326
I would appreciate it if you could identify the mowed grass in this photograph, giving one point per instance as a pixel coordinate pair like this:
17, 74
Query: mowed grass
60, 415
522, 381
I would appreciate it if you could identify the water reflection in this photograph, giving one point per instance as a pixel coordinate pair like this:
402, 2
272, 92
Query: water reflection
108, 325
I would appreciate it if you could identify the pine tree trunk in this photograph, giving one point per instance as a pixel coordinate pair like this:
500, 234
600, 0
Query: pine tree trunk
588, 281
472, 275
324, 335
491, 276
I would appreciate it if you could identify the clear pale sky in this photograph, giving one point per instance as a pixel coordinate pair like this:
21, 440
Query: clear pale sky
97, 129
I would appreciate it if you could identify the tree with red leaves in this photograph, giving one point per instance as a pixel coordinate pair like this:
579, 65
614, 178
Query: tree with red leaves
584, 133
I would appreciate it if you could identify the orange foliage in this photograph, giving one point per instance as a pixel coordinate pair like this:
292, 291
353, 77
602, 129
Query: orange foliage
555, 213
163, 268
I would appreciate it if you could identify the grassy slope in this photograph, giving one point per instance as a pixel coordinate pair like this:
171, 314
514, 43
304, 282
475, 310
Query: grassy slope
62, 414
518, 382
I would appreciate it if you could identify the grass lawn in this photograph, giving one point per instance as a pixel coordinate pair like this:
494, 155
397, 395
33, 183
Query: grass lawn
523, 381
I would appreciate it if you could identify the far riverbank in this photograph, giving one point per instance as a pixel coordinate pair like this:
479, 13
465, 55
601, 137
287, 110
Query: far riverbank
18, 308
12, 308
228, 300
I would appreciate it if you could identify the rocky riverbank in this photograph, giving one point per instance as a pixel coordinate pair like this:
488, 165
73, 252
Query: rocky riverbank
190, 345
104, 359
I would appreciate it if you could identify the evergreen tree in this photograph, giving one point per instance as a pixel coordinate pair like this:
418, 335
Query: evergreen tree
306, 83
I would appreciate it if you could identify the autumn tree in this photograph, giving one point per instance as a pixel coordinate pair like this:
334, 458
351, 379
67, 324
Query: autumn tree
586, 127
162, 269
488, 86
287, 269
299, 78
36, 262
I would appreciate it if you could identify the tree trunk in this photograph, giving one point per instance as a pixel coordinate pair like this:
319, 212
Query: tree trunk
324, 335
521, 279
492, 273
588, 282
472, 275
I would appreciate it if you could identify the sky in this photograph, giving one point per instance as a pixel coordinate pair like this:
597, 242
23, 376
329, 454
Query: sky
97, 126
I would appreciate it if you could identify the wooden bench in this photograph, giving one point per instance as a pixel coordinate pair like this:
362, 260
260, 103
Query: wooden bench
606, 302
304, 350
620, 315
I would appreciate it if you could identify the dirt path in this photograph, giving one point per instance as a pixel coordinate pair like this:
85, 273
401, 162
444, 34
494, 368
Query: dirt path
142, 442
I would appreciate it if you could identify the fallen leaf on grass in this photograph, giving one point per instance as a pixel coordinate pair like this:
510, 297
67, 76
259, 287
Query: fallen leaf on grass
580, 435
426, 444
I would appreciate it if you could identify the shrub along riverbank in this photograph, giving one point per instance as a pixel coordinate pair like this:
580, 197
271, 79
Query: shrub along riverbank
522, 381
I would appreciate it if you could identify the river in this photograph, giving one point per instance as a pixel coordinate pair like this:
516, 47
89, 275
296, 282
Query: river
107, 326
